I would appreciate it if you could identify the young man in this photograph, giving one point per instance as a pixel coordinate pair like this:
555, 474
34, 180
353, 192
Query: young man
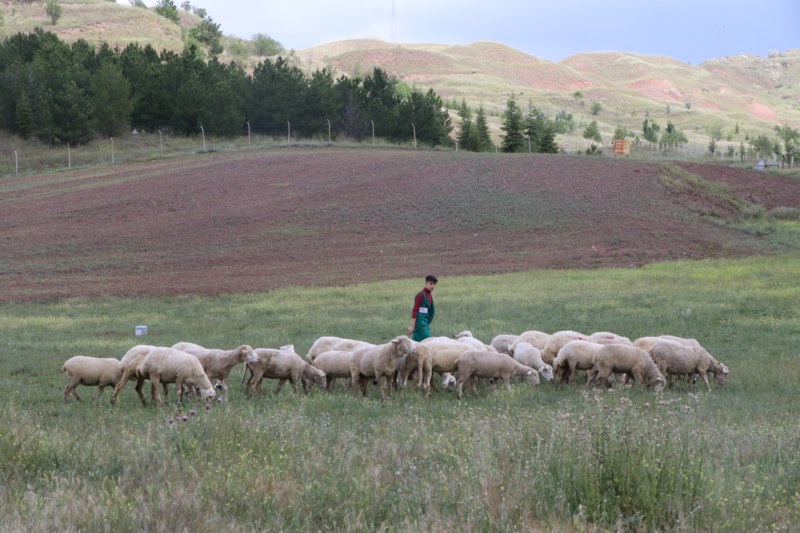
422, 313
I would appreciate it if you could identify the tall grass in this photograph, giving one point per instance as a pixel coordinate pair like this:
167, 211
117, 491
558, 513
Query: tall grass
562, 458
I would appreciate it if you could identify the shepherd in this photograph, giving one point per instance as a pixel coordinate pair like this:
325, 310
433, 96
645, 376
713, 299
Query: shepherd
423, 311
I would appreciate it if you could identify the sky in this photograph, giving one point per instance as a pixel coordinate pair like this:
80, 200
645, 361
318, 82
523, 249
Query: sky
689, 31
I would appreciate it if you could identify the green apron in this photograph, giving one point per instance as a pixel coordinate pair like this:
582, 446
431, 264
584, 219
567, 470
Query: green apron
424, 319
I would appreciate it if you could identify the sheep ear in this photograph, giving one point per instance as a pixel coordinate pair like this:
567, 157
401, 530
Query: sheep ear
529, 372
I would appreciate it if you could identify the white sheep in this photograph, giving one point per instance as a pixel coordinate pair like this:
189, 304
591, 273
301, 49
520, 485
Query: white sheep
677, 356
129, 362
606, 337
476, 344
483, 364
574, 356
444, 357
448, 380
379, 363
502, 343
283, 365
629, 360
328, 343
527, 354
167, 365
92, 372
216, 362
646, 343
535, 337
557, 341
335, 364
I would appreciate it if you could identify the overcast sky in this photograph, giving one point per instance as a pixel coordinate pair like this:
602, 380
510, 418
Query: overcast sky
688, 30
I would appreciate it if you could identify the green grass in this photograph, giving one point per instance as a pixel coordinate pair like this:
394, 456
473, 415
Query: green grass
545, 458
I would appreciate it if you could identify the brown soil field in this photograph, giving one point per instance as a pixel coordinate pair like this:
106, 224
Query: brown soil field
253, 221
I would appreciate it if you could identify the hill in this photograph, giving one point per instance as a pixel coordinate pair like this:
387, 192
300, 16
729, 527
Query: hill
740, 96
254, 221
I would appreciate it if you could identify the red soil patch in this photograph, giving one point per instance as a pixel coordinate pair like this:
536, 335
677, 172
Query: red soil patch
332, 216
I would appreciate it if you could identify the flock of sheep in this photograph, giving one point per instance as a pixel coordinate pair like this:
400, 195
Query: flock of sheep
604, 357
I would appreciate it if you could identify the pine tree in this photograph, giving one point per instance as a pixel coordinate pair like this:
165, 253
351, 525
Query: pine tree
465, 132
481, 129
513, 140
24, 117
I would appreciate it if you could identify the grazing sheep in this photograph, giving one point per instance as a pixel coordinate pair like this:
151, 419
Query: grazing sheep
448, 380
283, 365
444, 358
574, 356
218, 363
502, 343
335, 364
476, 344
483, 364
326, 344
606, 337
557, 341
420, 360
646, 343
527, 354
129, 362
687, 357
167, 365
92, 372
537, 338
378, 362
628, 360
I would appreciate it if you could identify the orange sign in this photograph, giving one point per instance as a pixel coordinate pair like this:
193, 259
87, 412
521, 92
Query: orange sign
622, 147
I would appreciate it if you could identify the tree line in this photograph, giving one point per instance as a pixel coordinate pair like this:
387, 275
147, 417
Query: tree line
72, 93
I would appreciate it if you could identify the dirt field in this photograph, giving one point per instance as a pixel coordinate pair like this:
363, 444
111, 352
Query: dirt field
332, 216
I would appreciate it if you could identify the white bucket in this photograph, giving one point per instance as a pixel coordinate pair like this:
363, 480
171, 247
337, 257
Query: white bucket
140, 330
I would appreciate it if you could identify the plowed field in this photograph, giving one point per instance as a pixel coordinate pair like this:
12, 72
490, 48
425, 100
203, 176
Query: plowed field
253, 221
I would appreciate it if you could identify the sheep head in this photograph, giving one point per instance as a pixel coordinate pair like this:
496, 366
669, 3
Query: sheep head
531, 376
546, 372
247, 354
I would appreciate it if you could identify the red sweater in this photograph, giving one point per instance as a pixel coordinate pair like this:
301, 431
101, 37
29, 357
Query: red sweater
418, 301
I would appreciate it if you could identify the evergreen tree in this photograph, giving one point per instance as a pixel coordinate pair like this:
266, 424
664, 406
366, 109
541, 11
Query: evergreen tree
481, 129
540, 130
168, 10
111, 97
466, 136
24, 116
592, 132
513, 140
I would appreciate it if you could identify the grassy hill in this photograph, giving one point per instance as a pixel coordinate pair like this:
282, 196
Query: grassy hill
749, 92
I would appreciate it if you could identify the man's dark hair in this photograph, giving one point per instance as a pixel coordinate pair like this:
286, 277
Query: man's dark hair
431, 278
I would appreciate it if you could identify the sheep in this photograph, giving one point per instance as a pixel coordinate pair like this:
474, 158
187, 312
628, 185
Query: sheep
476, 344
574, 356
629, 360
527, 354
283, 365
444, 358
335, 364
90, 371
646, 343
218, 363
557, 341
378, 362
483, 364
129, 362
325, 344
687, 357
502, 343
536, 338
448, 380
420, 360
167, 365
606, 337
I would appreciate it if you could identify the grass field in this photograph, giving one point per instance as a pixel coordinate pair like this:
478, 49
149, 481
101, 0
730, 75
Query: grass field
546, 458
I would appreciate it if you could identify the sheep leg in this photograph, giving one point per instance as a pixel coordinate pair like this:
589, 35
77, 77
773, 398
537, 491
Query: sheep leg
156, 381
100, 389
70, 389
459, 387
704, 375
126, 375
139, 385
473, 385
362, 382
281, 381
